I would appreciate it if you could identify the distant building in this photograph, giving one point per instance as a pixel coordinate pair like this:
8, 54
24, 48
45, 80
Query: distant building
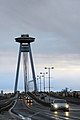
1, 93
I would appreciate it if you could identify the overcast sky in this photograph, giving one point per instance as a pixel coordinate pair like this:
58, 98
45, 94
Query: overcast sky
56, 26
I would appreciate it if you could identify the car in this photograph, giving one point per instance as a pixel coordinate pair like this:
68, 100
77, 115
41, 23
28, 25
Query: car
59, 104
29, 100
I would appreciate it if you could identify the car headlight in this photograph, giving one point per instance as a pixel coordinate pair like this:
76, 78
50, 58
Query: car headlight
67, 106
55, 106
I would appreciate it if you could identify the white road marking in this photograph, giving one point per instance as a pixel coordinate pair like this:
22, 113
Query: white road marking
23, 118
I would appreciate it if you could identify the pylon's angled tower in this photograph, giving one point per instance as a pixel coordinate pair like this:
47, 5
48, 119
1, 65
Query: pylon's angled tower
25, 41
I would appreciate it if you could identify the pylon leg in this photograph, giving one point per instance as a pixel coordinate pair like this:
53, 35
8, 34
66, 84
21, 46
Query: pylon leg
17, 73
33, 71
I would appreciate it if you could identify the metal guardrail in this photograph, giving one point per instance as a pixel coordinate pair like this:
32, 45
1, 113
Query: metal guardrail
38, 100
70, 100
5, 104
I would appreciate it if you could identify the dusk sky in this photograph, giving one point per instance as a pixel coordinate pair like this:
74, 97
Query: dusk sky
55, 24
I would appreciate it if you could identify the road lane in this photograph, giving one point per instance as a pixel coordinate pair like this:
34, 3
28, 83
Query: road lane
74, 109
35, 111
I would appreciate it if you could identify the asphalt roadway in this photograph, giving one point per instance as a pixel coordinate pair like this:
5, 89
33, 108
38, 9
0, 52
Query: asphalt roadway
36, 111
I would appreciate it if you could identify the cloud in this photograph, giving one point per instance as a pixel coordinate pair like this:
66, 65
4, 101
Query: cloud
8, 62
55, 24
59, 21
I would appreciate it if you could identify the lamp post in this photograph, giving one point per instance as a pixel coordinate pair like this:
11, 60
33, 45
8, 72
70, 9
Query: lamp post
39, 77
49, 68
40, 80
37, 82
43, 79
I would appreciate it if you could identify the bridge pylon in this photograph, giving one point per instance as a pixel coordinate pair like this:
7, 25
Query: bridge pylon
25, 46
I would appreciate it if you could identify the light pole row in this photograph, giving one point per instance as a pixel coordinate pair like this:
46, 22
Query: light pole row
44, 78
49, 68
49, 76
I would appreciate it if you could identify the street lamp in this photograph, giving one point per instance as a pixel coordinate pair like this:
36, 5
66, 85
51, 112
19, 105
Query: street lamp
44, 79
39, 77
49, 68
38, 82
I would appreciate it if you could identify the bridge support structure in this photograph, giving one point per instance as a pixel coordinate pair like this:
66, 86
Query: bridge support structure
25, 46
